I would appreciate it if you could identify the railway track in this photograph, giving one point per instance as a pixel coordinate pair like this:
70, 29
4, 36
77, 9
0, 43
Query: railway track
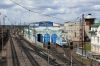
65, 60
39, 52
75, 61
30, 57
60, 57
15, 61
51, 61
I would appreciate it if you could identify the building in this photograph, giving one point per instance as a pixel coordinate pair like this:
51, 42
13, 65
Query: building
43, 32
73, 30
95, 38
90, 20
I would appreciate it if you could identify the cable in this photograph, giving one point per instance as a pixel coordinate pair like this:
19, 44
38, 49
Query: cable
37, 12
11, 20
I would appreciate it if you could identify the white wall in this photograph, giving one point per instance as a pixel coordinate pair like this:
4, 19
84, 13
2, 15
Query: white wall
56, 24
95, 40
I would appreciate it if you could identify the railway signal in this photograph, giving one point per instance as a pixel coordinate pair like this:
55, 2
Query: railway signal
48, 45
71, 45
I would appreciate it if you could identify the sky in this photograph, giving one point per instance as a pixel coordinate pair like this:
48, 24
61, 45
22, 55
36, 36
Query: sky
62, 10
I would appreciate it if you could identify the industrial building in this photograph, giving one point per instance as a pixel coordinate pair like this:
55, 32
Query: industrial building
43, 32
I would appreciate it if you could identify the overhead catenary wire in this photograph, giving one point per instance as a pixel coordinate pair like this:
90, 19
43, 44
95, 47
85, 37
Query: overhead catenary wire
11, 20
38, 12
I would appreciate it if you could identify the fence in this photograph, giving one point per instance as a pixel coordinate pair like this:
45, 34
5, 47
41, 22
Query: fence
88, 54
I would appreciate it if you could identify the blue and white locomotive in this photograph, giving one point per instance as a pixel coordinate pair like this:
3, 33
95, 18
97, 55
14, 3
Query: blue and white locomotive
62, 41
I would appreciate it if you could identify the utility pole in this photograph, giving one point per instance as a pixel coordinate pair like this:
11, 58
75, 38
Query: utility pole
4, 20
0, 21
34, 37
23, 28
20, 25
71, 59
28, 26
15, 26
28, 32
2, 39
71, 47
3, 27
83, 34
33, 33
80, 33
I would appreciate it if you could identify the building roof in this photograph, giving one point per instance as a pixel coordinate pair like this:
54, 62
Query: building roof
92, 31
72, 22
90, 17
96, 24
61, 24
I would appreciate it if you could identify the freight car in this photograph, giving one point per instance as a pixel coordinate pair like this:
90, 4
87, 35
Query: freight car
62, 41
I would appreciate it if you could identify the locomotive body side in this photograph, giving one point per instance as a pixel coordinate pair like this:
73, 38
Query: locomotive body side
62, 41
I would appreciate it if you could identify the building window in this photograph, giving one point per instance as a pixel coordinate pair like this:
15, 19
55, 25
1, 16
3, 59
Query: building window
75, 34
80, 33
98, 39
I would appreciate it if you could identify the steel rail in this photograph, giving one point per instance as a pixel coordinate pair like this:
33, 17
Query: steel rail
30, 57
15, 61
37, 50
75, 61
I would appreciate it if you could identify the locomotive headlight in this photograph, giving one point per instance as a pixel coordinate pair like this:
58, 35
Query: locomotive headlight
64, 42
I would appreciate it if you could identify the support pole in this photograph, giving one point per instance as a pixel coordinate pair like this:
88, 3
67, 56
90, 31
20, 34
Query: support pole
2, 44
48, 51
71, 59
20, 25
3, 31
3, 27
23, 29
48, 57
82, 35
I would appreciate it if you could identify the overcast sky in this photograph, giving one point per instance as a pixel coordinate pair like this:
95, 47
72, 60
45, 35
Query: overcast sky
68, 10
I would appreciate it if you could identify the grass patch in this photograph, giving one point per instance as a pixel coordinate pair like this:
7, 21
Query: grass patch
88, 46
86, 61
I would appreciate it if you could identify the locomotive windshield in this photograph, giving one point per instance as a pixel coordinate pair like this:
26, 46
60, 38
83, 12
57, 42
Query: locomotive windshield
63, 39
